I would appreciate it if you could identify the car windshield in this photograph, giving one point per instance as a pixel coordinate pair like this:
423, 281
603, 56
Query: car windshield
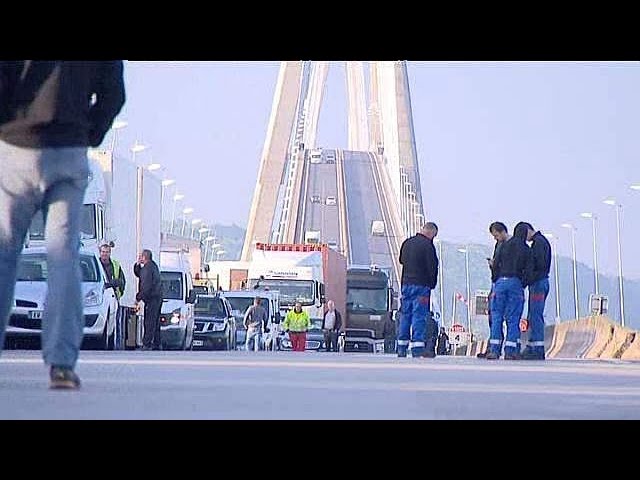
239, 305
209, 307
171, 285
291, 291
366, 300
32, 267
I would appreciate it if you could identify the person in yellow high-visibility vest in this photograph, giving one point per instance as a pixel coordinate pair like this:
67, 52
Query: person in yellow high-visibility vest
297, 323
115, 275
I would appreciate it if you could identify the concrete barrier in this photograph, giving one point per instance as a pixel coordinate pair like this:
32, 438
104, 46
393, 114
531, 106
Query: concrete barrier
603, 334
558, 339
619, 342
632, 352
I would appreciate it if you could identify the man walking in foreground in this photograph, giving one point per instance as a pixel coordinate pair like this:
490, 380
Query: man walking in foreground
50, 112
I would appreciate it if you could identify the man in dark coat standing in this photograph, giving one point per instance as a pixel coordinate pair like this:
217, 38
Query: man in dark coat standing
150, 292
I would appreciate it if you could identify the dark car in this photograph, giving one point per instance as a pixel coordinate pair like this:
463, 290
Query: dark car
215, 326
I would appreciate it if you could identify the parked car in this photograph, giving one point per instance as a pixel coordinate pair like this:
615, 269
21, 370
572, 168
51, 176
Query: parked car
215, 325
99, 308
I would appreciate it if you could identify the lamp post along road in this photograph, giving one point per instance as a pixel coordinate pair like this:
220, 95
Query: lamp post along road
595, 248
466, 264
575, 268
618, 208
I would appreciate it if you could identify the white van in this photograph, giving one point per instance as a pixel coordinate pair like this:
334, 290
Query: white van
377, 228
241, 300
315, 156
178, 297
312, 236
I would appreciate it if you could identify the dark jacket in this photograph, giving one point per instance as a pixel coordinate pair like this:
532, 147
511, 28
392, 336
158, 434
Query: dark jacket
541, 258
513, 259
419, 262
338, 323
150, 287
49, 103
494, 270
443, 344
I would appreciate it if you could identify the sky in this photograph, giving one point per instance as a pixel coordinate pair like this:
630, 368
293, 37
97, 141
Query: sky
534, 141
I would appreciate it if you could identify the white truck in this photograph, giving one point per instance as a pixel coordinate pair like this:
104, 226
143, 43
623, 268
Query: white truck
309, 274
123, 205
240, 301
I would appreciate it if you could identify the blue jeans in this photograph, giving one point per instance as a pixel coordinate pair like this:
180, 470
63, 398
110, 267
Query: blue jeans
415, 307
508, 305
538, 292
253, 339
53, 180
492, 297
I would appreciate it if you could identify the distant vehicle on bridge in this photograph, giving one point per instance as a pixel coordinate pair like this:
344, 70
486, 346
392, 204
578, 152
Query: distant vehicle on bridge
377, 228
330, 157
331, 200
315, 156
315, 199
312, 236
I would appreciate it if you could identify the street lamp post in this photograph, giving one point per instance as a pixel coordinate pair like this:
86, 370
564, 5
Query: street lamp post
117, 125
177, 197
185, 212
194, 222
167, 182
466, 265
595, 247
618, 208
441, 279
207, 240
137, 148
214, 248
575, 268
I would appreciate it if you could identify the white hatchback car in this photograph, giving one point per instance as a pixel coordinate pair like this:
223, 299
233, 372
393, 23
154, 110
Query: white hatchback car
331, 200
100, 303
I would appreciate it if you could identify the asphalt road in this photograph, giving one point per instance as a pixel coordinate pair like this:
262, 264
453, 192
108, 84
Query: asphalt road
287, 385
